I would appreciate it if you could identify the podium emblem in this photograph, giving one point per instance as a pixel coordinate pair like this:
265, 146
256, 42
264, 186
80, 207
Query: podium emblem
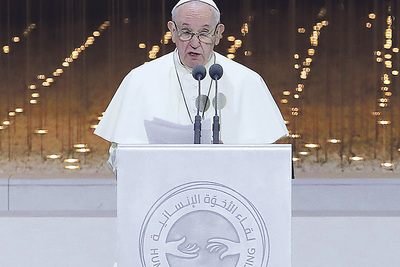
203, 224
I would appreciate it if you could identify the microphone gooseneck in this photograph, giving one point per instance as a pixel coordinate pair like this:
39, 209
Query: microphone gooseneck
216, 72
198, 72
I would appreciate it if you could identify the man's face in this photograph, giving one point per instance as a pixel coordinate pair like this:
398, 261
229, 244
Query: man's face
196, 17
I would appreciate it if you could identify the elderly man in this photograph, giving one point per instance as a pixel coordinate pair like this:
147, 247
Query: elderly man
164, 89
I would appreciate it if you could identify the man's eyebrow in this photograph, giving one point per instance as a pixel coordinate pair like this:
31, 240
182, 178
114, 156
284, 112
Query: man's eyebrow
187, 24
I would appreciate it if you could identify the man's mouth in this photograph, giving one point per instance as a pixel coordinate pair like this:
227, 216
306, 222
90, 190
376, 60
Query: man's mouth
193, 54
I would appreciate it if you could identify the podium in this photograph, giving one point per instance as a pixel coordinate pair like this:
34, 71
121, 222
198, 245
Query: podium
204, 205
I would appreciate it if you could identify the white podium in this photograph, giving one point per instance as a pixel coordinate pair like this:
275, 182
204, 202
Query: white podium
204, 205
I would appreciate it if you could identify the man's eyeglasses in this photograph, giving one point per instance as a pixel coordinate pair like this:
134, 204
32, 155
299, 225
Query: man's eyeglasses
204, 37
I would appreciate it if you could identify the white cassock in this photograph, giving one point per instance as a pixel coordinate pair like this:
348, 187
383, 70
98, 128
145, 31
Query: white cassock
153, 90
165, 89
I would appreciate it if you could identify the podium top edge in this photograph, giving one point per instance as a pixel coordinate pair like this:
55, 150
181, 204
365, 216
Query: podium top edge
206, 146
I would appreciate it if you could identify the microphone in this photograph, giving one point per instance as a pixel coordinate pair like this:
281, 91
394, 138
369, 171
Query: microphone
198, 72
216, 71
216, 74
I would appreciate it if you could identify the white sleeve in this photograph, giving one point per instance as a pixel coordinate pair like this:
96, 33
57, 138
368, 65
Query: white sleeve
112, 160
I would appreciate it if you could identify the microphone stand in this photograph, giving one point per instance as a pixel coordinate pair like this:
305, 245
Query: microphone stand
216, 124
216, 72
197, 120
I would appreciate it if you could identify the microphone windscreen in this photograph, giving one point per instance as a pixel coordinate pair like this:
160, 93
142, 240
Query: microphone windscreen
199, 72
216, 71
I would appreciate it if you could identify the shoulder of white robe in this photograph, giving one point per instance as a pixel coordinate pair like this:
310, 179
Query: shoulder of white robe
115, 116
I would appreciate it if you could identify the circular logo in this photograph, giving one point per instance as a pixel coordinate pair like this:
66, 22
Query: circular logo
203, 224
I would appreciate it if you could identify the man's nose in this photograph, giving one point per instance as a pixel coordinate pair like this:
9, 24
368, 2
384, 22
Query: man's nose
195, 42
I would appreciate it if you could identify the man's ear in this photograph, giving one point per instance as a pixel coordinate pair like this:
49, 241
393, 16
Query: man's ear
219, 31
172, 29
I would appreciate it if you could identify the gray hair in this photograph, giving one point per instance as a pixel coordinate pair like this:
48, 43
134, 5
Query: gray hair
216, 11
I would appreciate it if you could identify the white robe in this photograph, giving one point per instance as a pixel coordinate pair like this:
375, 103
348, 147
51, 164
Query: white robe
152, 90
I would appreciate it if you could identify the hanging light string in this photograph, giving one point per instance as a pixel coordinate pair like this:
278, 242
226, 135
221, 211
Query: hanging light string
5, 123
384, 110
16, 39
304, 68
46, 81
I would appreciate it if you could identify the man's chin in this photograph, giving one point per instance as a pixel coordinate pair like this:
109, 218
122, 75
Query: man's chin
191, 63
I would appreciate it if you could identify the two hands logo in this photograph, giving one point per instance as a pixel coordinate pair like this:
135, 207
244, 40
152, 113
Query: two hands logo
203, 224
221, 246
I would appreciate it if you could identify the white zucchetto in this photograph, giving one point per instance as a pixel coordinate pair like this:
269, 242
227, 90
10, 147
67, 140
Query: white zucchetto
209, 2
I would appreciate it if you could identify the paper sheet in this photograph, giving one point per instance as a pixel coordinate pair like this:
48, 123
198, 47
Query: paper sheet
164, 132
